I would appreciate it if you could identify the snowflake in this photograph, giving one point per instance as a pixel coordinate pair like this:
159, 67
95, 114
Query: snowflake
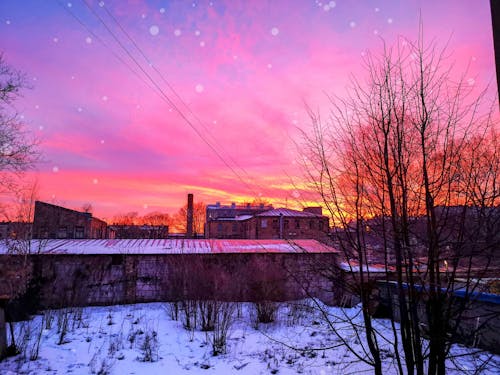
88, 40
197, 33
389, 20
95, 181
40, 127
375, 32
154, 30
145, 206
177, 32
37, 106
104, 98
214, 122
70, 5
162, 10
275, 31
72, 77
79, 109
199, 88
101, 3
143, 15
474, 58
377, 10
34, 78
269, 66
332, 4
202, 44
7, 22
471, 81
56, 39
102, 141
352, 24
55, 169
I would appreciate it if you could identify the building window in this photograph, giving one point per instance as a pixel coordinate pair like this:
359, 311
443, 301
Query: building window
311, 224
235, 227
263, 223
275, 223
219, 227
79, 232
285, 224
62, 232
297, 223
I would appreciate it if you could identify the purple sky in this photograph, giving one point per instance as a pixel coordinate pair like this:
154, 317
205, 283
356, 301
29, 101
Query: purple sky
245, 69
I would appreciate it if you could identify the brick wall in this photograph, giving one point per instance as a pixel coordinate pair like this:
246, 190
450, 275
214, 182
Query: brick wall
262, 227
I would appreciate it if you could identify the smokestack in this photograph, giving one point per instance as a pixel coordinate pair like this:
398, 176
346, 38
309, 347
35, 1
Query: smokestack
189, 227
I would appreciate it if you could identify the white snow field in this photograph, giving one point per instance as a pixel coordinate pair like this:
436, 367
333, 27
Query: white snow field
145, 339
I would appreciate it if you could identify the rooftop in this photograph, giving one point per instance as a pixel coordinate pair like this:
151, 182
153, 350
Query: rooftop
175, 246
288, 212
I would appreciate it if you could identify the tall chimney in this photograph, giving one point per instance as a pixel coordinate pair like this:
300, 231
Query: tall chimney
189, 227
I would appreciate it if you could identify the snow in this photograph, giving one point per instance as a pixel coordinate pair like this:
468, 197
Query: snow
113, 339
171, 246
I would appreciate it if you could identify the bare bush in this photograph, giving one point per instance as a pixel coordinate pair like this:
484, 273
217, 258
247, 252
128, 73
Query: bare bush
149, 347
265, 312
224, 318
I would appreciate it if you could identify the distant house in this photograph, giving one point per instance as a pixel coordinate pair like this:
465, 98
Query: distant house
51, 221
140, 231
280, 223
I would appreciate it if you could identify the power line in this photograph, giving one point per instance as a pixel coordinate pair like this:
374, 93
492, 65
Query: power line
167, 98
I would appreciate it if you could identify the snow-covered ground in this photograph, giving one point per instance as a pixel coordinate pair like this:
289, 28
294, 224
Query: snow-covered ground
145, 339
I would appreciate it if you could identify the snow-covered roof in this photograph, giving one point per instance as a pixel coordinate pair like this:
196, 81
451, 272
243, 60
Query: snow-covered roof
287, 212
172, 246
237, 218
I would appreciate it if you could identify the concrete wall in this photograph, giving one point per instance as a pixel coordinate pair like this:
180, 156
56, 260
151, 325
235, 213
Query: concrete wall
79, 280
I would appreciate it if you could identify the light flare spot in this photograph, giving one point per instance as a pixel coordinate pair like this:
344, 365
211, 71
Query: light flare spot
154, 30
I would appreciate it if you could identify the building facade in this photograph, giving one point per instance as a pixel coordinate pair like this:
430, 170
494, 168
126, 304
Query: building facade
140, 231
228, 221
281, 223
51, 221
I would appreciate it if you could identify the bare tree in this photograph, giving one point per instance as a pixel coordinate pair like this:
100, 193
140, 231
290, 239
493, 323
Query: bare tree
179, 219
18, 150
407, 165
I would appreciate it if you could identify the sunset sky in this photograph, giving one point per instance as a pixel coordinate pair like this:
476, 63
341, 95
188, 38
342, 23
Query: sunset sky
242, 71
